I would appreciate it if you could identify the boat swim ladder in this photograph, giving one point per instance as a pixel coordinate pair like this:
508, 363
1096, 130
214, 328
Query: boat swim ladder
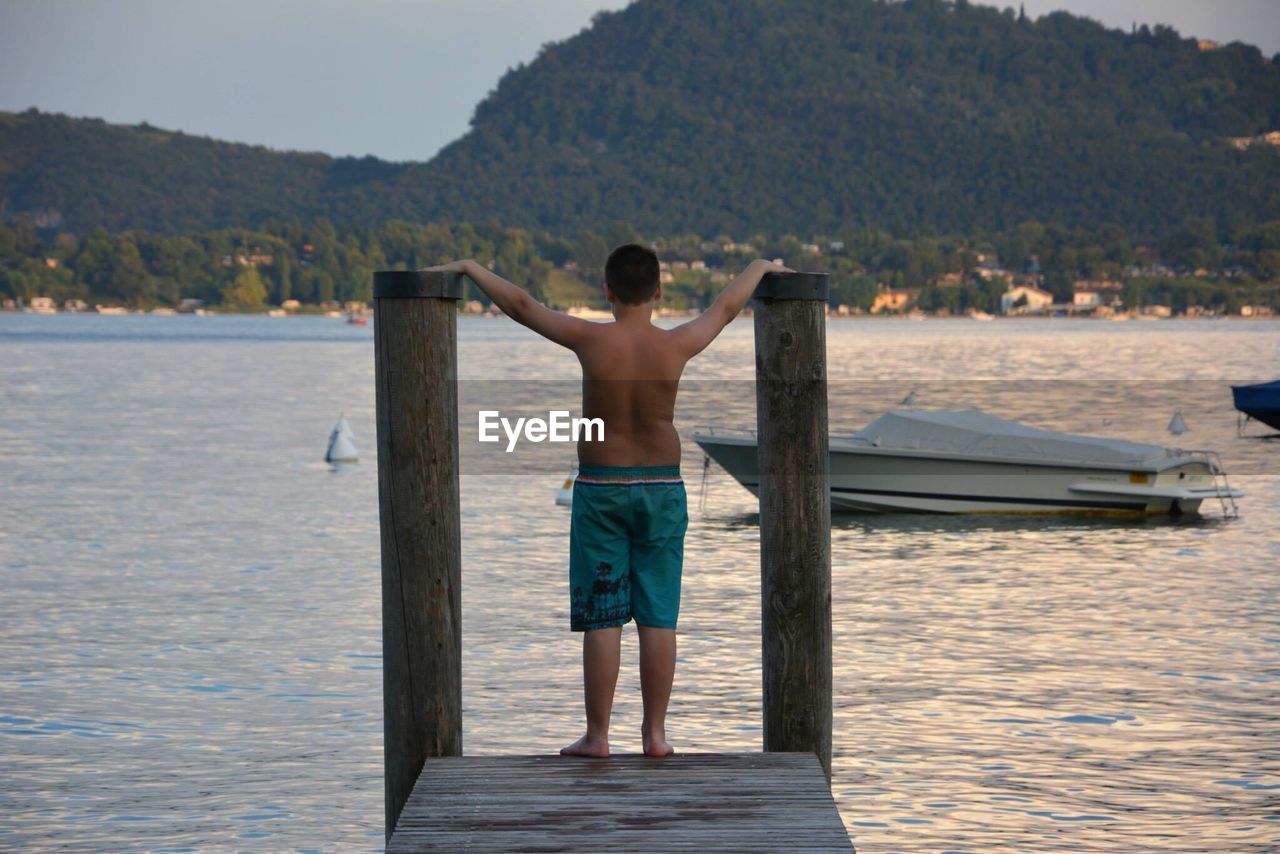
1222, 488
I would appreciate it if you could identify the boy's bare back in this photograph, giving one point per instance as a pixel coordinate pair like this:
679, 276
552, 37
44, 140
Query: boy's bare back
630, 374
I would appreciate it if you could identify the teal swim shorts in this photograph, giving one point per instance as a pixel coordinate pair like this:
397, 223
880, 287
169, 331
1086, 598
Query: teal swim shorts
626, 546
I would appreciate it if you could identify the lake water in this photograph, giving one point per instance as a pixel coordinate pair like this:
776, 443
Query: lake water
190, 653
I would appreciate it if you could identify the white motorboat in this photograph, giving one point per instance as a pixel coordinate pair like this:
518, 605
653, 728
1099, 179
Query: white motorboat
972, 462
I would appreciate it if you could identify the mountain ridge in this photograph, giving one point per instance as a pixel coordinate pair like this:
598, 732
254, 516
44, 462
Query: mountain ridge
745, 116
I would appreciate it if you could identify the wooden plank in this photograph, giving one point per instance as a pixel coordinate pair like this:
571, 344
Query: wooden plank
705, 802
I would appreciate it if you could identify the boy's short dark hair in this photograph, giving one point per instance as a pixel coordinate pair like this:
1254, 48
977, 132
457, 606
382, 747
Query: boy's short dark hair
632, 273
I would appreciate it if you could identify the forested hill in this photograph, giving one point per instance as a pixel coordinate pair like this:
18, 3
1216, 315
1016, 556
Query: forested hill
746, 116
739, 116
83, 173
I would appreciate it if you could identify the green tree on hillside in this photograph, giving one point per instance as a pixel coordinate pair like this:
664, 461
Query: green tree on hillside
112, 268
246, 292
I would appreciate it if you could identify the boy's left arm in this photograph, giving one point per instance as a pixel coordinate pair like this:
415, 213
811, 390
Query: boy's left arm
516, 304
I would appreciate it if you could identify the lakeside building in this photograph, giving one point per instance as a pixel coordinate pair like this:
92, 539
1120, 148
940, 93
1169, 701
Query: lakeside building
255, 257
1024, 299
1088, 294
894, 299
1243, 142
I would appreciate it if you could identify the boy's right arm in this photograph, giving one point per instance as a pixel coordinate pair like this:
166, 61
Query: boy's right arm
694, 336
517, 304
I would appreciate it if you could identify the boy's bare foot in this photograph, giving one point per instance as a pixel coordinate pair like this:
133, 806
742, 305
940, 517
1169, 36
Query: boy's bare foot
656, 746
587, 746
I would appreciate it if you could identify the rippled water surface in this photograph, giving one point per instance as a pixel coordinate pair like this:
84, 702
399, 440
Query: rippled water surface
190, 652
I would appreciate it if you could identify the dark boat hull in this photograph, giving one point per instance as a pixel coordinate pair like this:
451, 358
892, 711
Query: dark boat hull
1260, 401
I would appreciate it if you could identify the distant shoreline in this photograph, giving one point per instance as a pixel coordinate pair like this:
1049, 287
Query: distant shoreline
279, 314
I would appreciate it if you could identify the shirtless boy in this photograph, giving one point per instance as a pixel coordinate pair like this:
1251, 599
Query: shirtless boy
626, 536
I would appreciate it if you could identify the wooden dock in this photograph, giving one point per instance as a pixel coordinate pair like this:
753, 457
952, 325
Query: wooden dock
438, 799
704, 802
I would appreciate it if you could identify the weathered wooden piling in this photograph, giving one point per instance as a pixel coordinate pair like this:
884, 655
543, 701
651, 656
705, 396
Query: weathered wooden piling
415, 365
795, 512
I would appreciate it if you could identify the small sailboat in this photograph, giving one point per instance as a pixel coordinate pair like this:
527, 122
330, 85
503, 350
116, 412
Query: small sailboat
1177, 426
564, 495
342, 444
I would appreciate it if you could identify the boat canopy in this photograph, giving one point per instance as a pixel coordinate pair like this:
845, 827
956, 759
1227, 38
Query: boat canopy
973, 433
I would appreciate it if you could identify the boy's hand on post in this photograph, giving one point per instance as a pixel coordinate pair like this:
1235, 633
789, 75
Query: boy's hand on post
694, 336
451, 267
517, 304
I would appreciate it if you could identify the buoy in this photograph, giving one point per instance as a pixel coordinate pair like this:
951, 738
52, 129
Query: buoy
342, 444
1177, 426
564, 496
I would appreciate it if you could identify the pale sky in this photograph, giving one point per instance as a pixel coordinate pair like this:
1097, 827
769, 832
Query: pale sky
393, 78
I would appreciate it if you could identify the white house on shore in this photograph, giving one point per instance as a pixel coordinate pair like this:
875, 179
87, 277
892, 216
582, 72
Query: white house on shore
1088, 295
1022, 299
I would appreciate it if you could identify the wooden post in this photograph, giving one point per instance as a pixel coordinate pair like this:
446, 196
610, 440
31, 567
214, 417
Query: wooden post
795, 512
415, 365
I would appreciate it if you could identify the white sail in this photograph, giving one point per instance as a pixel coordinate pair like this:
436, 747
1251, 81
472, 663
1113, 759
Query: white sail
345, 428
1177, 426
342, 444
